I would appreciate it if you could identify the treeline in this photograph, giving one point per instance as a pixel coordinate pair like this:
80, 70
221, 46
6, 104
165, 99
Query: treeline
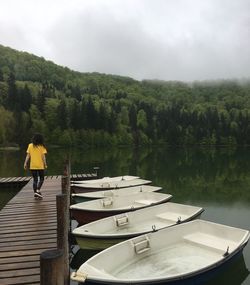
92, 109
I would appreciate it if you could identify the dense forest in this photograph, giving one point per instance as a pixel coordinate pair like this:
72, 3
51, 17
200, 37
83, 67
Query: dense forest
92, 109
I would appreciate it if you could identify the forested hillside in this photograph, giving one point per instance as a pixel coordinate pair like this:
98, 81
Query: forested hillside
92, 109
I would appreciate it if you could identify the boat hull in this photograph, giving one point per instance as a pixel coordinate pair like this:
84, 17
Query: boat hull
97, 244
83, 188
83, 217
77, 199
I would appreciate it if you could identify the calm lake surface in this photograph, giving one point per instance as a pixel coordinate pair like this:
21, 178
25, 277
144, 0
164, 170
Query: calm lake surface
216, 179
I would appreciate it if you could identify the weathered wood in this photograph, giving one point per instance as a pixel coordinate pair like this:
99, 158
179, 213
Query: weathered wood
23, 243
29, 252
28, 227
28, 279
20, 265
63, 232
21, 181
52, 267
30, 235
5, 262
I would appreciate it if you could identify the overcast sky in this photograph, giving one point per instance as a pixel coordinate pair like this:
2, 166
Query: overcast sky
145, 39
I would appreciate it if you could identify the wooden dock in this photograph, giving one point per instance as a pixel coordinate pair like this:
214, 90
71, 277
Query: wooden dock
27, 228
7, 182
21, 181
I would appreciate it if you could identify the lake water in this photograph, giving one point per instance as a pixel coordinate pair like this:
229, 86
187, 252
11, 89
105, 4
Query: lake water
216, 179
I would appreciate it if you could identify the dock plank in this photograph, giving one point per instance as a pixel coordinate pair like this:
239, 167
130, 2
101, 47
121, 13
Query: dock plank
28, 279
29, 226
28, 264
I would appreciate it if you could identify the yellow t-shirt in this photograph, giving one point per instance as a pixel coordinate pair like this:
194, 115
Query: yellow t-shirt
36, 156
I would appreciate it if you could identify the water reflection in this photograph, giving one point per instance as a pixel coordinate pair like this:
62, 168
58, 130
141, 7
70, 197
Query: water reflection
79, 256
6, 194
235, 274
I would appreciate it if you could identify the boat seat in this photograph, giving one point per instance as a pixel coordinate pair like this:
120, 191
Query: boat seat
107, 202
144, 202
170, 216
121, 221
142, 245
108, 193
211, 242
105, 185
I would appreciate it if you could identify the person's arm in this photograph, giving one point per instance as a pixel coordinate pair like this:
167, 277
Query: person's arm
44, 161
25, 165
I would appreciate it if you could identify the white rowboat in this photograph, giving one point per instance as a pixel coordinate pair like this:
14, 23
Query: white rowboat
109, 185
107, 179
87, 212
109, 231
185, 253
87, 196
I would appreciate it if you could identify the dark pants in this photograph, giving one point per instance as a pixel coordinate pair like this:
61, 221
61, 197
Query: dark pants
37, 174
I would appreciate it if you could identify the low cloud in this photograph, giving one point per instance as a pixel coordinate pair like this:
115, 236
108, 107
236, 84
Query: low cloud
156, 39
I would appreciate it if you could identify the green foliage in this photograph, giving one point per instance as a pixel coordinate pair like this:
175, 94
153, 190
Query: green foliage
93, 109
7, 124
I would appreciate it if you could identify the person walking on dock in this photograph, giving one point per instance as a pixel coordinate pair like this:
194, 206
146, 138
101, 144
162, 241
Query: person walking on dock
36, 157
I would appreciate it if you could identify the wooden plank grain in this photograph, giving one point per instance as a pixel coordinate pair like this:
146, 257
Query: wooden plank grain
19, 265
18, 259
28, 246
27, 234
28, 252
28, 227
17, 273
29, 279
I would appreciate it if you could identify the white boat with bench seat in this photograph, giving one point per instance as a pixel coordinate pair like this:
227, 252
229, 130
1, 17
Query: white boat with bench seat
99, 186
107, 179
87, 212
185, 254
103, 233
87, 196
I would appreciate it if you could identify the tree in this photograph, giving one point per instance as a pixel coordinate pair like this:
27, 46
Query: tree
75, 116
7, 124
37, 123
1, 75
12, 99
47, 91
25, 98
62, 115
41, 101
133, 118
142, 120
103, 117
76, 92
51, 114
91, 115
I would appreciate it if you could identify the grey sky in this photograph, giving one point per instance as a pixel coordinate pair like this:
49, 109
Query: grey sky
153, 39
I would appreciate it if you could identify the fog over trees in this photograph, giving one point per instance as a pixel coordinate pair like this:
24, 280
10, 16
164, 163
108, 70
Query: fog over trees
93, 109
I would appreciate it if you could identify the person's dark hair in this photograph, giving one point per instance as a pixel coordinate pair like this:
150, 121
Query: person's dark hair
38, 140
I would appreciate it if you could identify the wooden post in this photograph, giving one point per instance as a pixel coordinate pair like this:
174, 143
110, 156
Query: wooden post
66, 180
66, 177
64, 184
51, 267
63, 232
